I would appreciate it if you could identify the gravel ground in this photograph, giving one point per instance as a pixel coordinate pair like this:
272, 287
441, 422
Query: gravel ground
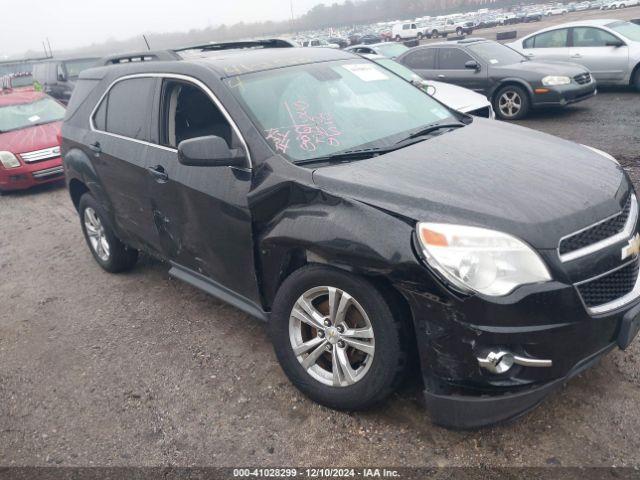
141, 369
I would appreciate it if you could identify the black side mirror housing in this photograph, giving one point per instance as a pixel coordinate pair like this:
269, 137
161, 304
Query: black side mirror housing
616, 44
209, 151
472, 65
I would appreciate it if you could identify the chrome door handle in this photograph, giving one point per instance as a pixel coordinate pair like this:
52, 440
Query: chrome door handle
159, 173
576, 55
441, 75
95, 148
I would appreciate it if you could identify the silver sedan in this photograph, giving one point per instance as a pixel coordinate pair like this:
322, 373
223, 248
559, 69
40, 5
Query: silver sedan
610, 49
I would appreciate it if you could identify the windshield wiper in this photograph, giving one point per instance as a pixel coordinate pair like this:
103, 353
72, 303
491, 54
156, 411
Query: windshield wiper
361, 154
424, 131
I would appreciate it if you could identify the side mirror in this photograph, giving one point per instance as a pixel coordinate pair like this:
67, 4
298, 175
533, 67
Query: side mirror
472, 65
615, 43
62, 77
210, 151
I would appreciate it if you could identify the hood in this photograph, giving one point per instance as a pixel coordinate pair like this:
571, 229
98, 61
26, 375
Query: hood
489, 174
458, 98
540, 68
30, 138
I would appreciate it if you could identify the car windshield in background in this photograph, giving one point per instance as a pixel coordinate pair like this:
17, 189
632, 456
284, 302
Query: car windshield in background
496, 54
74, 67
626, 29
319, 110
16, 117
392, 49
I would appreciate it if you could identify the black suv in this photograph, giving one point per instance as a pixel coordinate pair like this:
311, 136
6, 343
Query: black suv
368, 224
510, 80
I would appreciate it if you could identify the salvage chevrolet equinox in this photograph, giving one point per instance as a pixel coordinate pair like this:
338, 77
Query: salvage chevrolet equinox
366, 222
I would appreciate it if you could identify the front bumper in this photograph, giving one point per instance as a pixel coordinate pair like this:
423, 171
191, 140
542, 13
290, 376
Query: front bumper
563, 95
543, 321
31, 174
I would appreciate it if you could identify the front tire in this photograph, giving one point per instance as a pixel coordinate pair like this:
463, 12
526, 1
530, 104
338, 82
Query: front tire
337, 339
511, 103
110, 253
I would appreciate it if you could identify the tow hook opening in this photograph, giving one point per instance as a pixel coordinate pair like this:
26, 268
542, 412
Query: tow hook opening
501, 361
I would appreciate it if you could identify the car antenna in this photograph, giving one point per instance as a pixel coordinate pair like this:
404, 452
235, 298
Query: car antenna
146, 41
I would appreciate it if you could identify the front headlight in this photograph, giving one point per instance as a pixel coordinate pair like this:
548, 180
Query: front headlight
479, 260
604, 154
9, 160
554, 81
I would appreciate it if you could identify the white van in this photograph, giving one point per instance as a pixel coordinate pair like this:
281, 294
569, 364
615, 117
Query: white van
404, 31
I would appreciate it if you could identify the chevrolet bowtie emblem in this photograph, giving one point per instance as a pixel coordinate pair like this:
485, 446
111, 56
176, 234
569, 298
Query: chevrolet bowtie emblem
633, 247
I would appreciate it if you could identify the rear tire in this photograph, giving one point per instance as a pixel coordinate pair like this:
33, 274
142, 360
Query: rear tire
331, 371
110, 253
511, 103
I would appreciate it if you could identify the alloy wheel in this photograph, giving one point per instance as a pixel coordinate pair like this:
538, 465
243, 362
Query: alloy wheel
331, 336
96, 233
510, 103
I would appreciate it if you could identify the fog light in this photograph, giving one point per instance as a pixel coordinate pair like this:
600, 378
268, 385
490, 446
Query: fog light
500, 361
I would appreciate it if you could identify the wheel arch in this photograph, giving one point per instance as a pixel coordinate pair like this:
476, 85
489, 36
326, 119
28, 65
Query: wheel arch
505, 82
634, 72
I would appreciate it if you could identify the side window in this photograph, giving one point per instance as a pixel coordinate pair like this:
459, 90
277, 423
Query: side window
452, 59
413, 26
126, 110
405, 26
591, 37
528, 43
188, 112
422, 59
552, 39
100, 117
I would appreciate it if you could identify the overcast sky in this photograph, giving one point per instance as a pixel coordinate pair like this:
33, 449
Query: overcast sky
24, 24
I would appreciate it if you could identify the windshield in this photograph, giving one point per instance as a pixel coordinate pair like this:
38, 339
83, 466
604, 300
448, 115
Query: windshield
626, 29
319, 110
495, 53
74, 67
392, 49
15, 117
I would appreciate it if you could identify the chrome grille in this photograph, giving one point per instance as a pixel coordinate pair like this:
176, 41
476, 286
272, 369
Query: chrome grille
39, 155
602, 234
48, 173
612, 289
583, 78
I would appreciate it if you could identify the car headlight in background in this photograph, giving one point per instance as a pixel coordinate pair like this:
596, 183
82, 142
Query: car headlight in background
480, 260
9, 160
554, 81
604, 154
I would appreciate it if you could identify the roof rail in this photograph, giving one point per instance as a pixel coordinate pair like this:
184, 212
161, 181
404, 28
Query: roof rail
173, 54
146, 56
266, 43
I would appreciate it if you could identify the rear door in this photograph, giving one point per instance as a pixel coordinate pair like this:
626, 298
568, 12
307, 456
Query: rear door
200, 214
422, 61
552, 45
595, 49
118, 142
451, 69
